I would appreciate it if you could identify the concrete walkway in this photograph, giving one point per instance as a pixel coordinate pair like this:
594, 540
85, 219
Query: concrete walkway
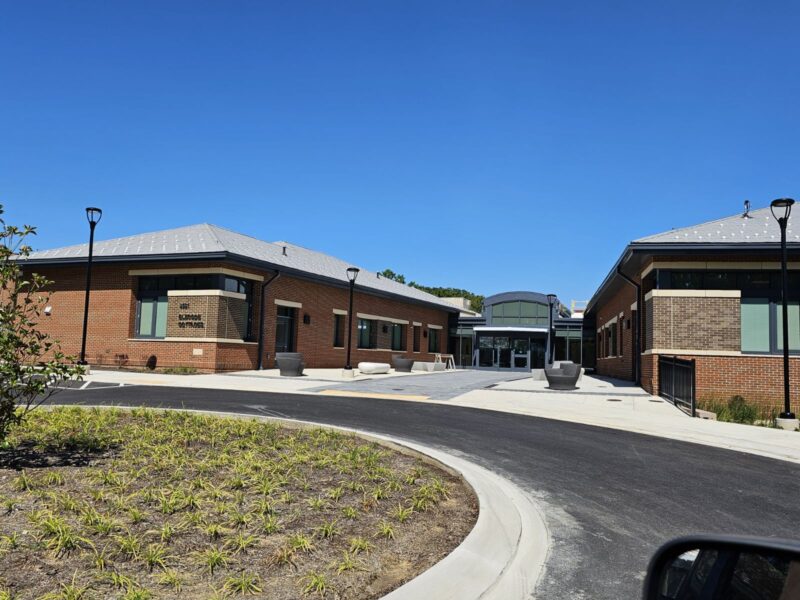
622, 405
601, 402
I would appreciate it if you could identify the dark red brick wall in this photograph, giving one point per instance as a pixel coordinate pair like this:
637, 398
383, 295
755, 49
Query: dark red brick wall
758, 379
113, 312
315, 340
619, 366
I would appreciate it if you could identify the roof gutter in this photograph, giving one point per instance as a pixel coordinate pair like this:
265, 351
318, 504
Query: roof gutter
262, 318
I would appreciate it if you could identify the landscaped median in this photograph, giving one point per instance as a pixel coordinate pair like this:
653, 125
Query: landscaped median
100, 503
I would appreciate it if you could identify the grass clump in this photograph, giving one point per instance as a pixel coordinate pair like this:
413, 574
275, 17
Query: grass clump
737, 410
143, 503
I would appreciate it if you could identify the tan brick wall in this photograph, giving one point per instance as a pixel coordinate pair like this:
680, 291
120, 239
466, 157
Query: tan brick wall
695, 323
113, 312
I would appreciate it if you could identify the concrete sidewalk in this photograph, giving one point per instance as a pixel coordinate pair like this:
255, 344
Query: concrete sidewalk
601, 402
621, 405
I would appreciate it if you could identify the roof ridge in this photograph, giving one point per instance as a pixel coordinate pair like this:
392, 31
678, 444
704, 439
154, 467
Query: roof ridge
696, 225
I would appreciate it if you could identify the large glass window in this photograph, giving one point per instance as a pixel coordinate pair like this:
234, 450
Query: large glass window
433, 340
762, 325
151, 309
367, 333
794, 326
519, 313
338, 330
152, 317
398, 336
755, 325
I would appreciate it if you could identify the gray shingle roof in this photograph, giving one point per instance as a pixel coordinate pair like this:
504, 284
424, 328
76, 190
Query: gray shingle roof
760, 228
204, 239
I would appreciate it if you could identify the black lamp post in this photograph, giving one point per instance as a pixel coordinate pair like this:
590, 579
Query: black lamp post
93, 215
551, 298
781, 209
352, 273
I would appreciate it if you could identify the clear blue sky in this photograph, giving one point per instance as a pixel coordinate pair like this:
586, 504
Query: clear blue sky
493, 146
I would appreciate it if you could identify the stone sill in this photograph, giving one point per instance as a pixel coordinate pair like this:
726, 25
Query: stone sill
195, 340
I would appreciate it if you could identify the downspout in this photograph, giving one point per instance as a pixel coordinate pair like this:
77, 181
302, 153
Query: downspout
637, 349
262, 318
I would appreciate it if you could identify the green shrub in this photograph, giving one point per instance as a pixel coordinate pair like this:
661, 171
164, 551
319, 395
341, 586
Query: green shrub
737, 410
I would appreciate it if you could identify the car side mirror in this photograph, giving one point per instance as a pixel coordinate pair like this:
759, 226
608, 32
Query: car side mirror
722, 567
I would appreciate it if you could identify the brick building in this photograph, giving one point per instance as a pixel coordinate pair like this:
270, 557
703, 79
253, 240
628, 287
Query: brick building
711, 293
193, 297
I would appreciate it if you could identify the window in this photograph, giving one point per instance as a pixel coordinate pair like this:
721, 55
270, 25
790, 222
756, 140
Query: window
433, 340
794, 326
338, 330
151, 320
398, 336
762, 325
416, 337
755, 325
519, 313
621, 337
612, 339
367, 333
152, 317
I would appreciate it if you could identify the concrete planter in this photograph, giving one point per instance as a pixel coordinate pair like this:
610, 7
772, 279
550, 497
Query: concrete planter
787, 424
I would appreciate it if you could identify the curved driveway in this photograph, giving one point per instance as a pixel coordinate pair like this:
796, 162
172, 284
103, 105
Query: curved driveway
609, 497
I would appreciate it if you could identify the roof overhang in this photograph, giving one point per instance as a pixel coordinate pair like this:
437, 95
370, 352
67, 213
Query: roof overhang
238, 259
637, 254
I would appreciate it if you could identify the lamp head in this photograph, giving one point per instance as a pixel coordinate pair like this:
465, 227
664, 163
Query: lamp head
551, 298
781, 208
93, 215
352, 274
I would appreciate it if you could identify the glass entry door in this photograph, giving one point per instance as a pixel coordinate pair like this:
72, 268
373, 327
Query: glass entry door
285, 328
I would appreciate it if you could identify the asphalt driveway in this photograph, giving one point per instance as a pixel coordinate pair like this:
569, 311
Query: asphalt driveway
609, 497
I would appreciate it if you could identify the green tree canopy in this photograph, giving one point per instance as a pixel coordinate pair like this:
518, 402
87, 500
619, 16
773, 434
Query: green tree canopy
475, 300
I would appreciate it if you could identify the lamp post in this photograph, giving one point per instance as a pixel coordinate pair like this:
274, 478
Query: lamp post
93, 215
551, 298
781, 209
352, 274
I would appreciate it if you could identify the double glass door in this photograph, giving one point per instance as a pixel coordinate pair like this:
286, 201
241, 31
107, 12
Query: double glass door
505, 352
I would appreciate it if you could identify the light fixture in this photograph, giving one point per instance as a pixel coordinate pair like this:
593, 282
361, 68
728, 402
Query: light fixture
352, 274
93, 215
784, 205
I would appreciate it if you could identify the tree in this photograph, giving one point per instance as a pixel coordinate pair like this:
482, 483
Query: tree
389, 274
475, 300
31, 364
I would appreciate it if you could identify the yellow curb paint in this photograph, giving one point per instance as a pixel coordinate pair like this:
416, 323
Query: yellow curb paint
371, 395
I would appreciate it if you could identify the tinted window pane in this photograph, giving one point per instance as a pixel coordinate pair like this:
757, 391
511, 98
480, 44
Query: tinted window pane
686, 280
528, 309
755, 325
754, 279
161, 317
716, 280
146, 309
794, 326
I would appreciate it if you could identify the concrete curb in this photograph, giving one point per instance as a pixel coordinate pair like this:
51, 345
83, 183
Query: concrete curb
502, 557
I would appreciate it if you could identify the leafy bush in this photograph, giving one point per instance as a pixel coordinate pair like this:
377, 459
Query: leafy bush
31, 363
